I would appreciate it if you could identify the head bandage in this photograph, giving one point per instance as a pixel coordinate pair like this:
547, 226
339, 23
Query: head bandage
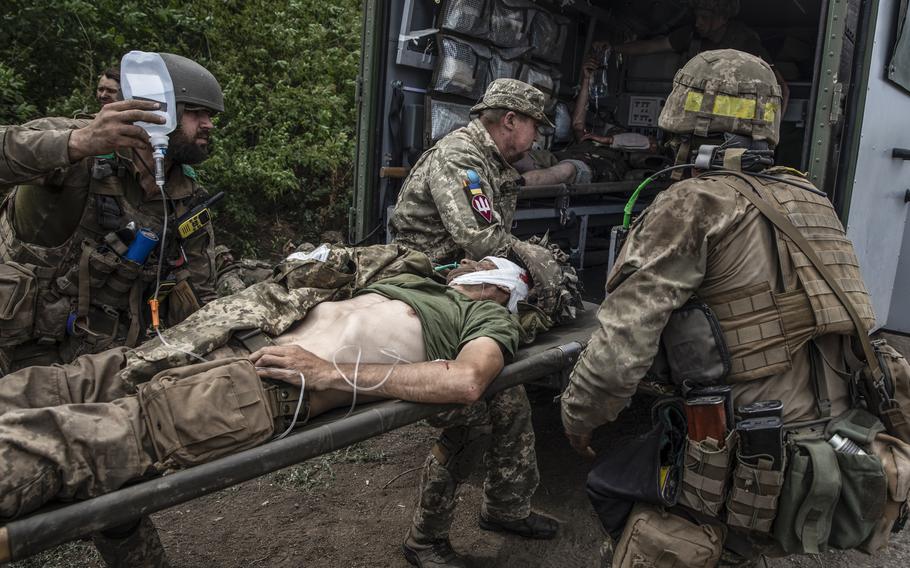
507, 275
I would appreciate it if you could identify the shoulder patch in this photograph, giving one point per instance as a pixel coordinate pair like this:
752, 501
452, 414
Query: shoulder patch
188, 171
479, 202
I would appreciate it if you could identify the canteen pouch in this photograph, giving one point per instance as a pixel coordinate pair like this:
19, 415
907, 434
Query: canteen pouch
755, 490
197, 413
808, 498
895, 457
633, 472
706, 474
462, 68
18, 296
548, 36
696, 351
658, 539
467, 17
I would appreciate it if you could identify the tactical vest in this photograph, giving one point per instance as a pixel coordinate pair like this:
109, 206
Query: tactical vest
83, 280
763, 327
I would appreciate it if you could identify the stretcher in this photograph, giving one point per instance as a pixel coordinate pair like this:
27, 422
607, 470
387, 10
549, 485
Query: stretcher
552, 355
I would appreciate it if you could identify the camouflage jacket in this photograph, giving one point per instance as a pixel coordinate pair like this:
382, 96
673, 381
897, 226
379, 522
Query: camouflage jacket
437, 213
701, 237
273, 306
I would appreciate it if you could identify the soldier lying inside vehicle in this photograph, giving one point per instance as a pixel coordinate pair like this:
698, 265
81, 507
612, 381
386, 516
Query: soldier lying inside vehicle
79, 430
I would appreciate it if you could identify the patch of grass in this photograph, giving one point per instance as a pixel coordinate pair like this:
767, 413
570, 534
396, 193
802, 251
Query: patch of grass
314, 474
81, 554
318, 473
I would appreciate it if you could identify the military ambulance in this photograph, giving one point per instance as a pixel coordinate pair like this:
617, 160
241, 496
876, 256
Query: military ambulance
846, 64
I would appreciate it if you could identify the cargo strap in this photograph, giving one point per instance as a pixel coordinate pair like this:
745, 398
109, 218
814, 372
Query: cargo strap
817, 370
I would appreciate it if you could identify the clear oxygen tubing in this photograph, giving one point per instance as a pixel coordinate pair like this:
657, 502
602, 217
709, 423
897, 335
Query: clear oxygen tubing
299, 404
387, 351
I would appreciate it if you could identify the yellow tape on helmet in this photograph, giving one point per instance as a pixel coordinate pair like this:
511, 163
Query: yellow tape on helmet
734, 107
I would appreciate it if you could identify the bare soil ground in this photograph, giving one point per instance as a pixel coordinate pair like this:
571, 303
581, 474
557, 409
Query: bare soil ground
348, 509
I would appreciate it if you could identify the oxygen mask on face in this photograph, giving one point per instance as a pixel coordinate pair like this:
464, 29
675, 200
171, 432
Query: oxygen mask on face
144, 76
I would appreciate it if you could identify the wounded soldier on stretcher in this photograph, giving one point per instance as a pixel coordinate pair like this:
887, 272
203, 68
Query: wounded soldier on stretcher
77, 431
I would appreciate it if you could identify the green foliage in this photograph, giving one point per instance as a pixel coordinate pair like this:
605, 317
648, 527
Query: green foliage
284, 145
318, 473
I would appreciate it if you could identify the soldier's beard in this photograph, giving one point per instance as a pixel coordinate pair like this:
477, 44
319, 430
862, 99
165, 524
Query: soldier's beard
184, 151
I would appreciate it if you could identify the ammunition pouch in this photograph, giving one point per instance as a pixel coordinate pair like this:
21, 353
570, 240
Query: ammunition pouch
29, 309
198, 413
753, 499
18, 296
655, 538
706, 474
460, 448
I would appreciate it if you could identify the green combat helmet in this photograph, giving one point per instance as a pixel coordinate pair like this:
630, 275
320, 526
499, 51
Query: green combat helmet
726, 8
724, 91
194, 86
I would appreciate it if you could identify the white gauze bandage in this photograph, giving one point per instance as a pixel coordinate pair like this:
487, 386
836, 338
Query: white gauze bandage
507, 275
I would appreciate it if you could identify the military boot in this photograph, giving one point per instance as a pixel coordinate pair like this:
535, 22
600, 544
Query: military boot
434, 554
135, 545
535, 526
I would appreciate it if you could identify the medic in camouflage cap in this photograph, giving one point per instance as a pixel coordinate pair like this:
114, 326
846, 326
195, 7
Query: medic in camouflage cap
515, 95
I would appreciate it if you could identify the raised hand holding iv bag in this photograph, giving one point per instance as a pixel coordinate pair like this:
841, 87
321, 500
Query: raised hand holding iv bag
144, 76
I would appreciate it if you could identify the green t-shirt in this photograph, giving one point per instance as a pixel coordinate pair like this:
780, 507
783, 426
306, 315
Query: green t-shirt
449, 319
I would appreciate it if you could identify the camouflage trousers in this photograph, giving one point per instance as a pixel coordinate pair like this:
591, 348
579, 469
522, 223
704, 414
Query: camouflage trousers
69, 432
511, 475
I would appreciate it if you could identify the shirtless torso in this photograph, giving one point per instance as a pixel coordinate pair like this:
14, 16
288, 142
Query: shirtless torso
370, 322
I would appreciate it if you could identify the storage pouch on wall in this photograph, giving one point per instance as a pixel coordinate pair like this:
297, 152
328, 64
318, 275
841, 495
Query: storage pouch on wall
544, 78
444, 117
548, 36
510, 22
506, 63
461, 68
467, 17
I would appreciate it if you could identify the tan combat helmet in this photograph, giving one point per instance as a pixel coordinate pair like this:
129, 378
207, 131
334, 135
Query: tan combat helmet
724, 90
726, 8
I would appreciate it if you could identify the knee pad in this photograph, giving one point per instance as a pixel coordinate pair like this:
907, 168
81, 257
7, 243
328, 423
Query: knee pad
459, 449
197, 413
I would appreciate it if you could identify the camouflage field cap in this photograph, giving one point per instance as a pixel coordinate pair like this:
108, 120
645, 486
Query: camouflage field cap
728, 8
724, 90
516, 95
